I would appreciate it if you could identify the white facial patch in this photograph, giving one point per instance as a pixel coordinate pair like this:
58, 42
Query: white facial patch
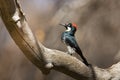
70, 50
68, 29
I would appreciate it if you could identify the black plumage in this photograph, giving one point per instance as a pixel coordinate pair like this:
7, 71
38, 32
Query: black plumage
68, 38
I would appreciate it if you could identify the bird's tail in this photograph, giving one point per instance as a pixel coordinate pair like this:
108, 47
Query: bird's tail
78, 50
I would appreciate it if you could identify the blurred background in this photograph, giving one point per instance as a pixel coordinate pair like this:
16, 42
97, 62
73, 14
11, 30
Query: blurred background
98, 35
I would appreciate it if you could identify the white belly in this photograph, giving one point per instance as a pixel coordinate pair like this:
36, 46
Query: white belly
70, 50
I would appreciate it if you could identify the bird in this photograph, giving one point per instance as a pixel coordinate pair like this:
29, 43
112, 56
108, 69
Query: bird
68, 37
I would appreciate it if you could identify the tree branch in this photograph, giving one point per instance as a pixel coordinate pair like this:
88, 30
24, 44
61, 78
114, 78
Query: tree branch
46, 59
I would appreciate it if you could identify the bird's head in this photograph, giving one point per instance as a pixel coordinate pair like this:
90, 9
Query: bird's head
70, 26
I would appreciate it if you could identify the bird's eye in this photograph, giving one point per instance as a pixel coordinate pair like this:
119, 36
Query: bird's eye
69, 25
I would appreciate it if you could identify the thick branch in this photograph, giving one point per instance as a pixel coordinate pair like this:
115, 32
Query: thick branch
46, 59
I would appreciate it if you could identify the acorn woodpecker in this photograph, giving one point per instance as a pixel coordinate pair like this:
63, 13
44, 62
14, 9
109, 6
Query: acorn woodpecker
68, 37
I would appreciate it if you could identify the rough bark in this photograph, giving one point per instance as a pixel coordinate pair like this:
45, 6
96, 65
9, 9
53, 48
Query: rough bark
44, 58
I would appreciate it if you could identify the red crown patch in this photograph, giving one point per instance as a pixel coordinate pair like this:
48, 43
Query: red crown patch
74, 25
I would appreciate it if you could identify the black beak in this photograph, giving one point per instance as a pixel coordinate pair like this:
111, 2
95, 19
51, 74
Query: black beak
63, 25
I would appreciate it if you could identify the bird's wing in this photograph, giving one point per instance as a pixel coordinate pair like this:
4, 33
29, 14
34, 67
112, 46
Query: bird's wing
71, 41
